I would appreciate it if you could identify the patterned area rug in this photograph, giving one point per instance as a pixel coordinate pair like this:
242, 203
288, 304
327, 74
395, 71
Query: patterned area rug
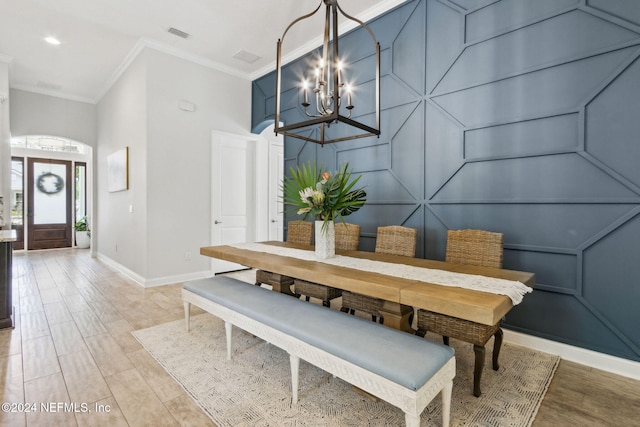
254, 387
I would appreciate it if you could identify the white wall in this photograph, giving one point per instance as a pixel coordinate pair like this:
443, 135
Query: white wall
37, 114
122, 122
5, 147
170, 152
179, 158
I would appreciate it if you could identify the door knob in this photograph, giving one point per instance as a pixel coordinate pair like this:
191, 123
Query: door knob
217, 222
273, 220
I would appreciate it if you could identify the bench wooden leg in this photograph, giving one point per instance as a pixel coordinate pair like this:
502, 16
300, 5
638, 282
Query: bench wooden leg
411, 420
228, 330
497, 343
295, 365
187, 314
446, 403
477, 371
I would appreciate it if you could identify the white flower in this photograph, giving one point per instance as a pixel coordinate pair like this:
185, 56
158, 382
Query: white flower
306, 194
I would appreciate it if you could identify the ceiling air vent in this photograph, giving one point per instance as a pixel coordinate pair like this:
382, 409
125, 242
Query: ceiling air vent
179, 33
247, 57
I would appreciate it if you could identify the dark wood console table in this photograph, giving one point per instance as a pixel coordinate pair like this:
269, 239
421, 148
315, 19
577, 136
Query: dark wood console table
7, 237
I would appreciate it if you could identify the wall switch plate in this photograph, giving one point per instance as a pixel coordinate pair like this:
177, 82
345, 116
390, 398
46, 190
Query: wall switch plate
186, 106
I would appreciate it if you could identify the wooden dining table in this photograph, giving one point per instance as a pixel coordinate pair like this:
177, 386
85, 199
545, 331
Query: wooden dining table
399, 294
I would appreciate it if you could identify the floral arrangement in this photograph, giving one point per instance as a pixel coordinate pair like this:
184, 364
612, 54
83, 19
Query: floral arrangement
311, 190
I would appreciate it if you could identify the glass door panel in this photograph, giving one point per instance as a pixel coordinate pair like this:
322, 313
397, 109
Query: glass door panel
81, 190
17, 200
49, 212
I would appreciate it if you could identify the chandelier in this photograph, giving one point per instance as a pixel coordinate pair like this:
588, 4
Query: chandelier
324, 92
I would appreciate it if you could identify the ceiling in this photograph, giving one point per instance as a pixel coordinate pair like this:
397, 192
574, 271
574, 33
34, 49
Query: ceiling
100, 37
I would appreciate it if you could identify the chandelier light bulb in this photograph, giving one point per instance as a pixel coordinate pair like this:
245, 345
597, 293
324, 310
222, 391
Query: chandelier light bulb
322, 105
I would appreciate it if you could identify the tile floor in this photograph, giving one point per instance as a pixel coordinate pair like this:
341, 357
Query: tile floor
72, 345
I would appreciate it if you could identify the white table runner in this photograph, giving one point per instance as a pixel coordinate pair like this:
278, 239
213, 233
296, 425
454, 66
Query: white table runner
511, 288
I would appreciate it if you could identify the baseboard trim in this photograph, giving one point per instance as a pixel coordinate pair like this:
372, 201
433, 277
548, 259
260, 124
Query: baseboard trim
121, 269
594, 359
151, 283
168, 280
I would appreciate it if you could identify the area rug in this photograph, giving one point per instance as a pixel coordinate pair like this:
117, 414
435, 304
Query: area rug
254, 387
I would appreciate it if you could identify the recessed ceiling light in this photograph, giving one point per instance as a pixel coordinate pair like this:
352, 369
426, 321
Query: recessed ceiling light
52, 40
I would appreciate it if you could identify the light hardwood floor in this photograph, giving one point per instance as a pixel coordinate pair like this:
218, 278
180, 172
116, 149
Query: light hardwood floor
72, 343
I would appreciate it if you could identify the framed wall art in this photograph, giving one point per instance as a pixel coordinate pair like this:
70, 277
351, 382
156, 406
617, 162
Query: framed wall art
118, 170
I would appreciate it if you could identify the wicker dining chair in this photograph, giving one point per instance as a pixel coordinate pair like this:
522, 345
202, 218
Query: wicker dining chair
347, 237
297, 232
392, 240
473, 247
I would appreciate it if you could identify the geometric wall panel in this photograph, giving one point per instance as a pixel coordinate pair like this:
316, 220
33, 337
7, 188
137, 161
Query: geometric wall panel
611, 119
552, 227
532, 132
567, 177
540, 136
381, 214
407, 153
369, 158
470, 4
444, 149
443, 49
506, 14
571, 35
538, 94
566, 319
611, 278
623, 9
405, 47
383, 186
557, 271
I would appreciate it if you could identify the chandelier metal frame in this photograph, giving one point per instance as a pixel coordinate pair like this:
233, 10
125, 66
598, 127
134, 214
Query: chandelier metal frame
329, 87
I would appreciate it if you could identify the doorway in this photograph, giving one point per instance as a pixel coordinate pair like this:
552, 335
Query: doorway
50, 190
49, 212
233, 193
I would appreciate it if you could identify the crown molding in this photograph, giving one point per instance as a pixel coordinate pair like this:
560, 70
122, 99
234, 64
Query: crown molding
169, 50
54, 93
143, 43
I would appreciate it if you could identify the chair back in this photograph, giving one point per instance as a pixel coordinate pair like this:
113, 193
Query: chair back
396, 240
300, 232
475, 247
347, 236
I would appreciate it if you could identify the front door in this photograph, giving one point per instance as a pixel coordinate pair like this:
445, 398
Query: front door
49, 208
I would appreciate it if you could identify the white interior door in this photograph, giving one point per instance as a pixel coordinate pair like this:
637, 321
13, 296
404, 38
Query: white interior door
233, 198
276, 172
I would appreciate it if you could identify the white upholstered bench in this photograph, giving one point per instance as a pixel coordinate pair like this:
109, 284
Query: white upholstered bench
400, 368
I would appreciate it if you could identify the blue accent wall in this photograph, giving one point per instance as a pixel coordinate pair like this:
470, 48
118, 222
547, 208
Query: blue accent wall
514, 116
